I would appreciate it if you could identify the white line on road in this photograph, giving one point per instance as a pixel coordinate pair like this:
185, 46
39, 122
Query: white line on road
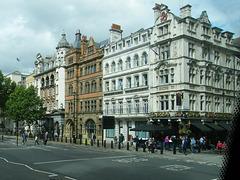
85, 159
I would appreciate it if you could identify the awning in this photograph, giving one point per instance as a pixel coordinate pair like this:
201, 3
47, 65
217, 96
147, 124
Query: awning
151, 128
215, 127
224, 125
201, 127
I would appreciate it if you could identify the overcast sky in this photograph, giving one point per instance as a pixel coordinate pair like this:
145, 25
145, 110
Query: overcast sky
28, 27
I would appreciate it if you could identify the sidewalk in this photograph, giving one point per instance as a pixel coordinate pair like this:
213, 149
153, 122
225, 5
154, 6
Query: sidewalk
204, 157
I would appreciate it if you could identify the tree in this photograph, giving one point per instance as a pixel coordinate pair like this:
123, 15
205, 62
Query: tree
6, 88
25, 106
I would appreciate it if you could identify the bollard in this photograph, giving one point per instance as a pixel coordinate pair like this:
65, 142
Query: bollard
66, 139
97, 143
2, 138
104, 143
199, 148
111, 144
119, 145
91, 142
80, 141
57, 139
144, 147
127, 145
161, 151
86, 141
136, 146
70, 140
174, 149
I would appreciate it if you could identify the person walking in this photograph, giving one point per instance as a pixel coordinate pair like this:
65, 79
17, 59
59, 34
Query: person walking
201, 143
219, 147
180, 144
115, 141
166, 143
184, 144
36, 140
192, 145
120, 139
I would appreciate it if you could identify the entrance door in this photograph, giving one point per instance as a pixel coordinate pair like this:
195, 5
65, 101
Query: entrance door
90, 128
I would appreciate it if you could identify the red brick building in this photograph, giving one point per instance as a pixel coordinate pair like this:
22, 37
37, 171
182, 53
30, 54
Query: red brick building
83, 90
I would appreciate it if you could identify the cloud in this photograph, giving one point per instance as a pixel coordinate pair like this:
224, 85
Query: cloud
29, 27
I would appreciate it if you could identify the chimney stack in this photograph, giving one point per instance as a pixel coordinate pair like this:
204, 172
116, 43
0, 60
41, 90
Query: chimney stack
185, 11
115, 33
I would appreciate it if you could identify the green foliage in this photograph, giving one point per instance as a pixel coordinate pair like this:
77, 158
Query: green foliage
6, 88
25, 106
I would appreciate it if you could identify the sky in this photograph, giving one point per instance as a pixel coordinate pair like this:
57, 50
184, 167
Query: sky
30, 27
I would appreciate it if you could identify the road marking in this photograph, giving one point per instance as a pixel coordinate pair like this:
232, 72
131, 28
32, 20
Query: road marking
35, 147
130, 160
21, 164
85, 159
176, 167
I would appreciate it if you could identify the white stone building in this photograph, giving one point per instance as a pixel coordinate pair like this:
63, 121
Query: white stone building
126, 90
50, 83
193, 59
180, 70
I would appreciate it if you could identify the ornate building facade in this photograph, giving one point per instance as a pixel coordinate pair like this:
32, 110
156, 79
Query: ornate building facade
190, 77
50, 83
84, 88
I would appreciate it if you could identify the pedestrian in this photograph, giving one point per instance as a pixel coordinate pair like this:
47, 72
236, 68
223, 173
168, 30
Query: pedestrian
115, 141
204, 143
219, 147
201, 142
36, 140
166, 143
149, 144
94, 138
180, 144
184, 143
170, 143
224, 145
45, 139
192, 145
120, 139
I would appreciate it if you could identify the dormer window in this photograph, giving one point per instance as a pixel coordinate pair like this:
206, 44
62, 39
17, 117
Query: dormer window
191, 26
113, 49
135, 41
90, 50
120, 46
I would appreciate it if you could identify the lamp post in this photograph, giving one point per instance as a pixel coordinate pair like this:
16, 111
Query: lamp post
74, 119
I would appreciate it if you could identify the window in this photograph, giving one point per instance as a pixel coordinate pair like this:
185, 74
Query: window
90, 50
128, 43
107, 86
100, 84
216, 57
120, 46
165, 52
136, 60
86, 71
228, 60
208, 76
128, 63
191, 50
113, 108
145, 106
164, 102
201, 77
136, 106
144, 38
120, 84
87, 87
192, 75
107, 68
113, 49
145, 79
206, 53
191, 26
113, 85
129, 107
81, 72
129, 82
70, 90
172, 75
136, 80
192, 102
144, 58
201, 103
135, 41
166, 76
113, 66
107, 108
120, 65
81, 88
172, 102
100, 66
120, 107
70, 60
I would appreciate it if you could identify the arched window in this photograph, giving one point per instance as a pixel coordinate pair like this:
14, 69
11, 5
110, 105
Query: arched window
70, 90
128, 63
136, 60
90, 127
120, 65
47, 81
144, 58
52, 79
107, 68
42, 82
113, 66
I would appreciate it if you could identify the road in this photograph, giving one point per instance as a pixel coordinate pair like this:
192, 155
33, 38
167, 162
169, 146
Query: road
65, 161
